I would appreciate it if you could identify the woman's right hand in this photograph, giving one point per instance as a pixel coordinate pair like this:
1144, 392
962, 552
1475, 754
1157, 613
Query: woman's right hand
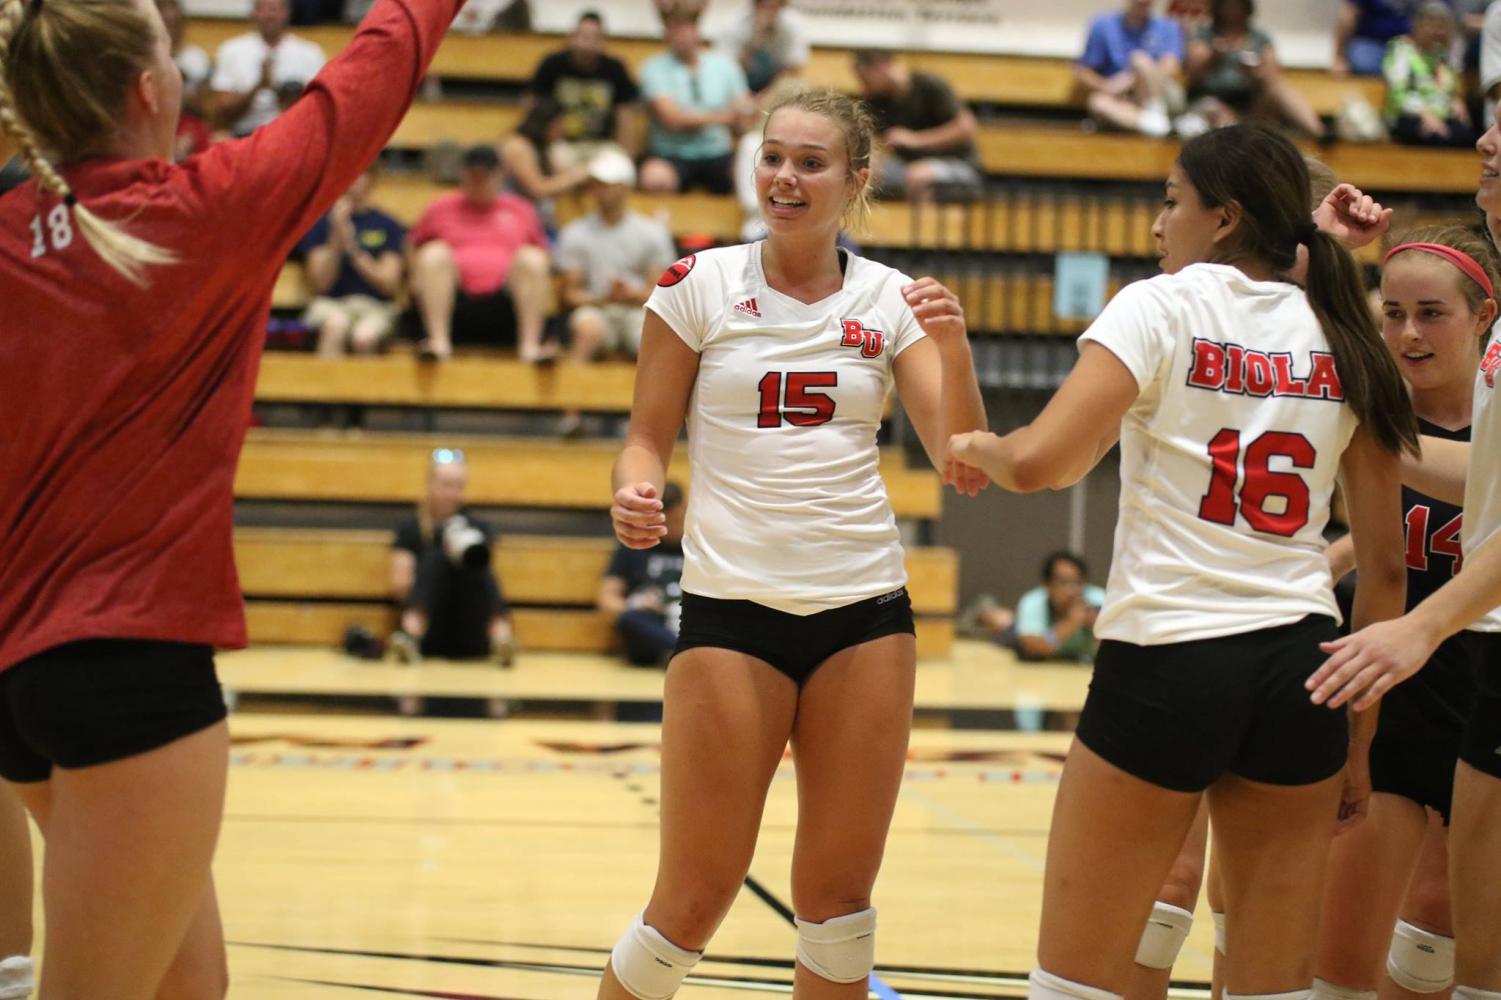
637, 516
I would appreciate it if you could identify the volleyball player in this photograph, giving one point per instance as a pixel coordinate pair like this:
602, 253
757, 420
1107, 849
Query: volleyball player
795, 619
1363, 666
1355, 219
1243, 398
135, 298
1438, 299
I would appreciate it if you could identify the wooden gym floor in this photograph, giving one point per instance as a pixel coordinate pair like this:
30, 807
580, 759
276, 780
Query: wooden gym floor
478, 860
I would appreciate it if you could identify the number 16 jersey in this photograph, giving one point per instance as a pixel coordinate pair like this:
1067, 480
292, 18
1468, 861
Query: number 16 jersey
787, 507
1229, 457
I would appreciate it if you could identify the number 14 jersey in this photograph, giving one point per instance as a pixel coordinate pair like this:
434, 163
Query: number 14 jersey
787, 507
1229, 457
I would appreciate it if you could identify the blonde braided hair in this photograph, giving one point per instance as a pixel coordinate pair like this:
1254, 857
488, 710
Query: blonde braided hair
20, 24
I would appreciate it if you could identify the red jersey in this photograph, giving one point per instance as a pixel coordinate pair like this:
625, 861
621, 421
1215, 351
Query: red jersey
123, 410
484, 238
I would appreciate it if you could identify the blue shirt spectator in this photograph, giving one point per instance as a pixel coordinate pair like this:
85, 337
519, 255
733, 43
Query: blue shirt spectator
375, 232
1112, 39
714, 83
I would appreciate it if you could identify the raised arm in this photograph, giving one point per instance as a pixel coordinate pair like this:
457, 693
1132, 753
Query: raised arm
1440, 471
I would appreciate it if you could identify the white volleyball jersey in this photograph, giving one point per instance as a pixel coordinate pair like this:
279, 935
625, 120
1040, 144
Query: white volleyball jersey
1228, 457
1482, 517
787, 507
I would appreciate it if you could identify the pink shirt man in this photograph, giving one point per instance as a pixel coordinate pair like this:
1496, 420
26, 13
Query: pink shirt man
484, 238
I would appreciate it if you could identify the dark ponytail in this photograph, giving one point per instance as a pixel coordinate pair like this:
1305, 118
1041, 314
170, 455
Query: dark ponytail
1373, 385
1264, 173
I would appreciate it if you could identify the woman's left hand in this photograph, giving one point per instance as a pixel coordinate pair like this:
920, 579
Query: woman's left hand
936, 309
961, 462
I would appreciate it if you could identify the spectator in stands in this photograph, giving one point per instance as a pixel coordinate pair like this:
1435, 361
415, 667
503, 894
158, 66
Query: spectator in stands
1424, 101
1233, 72
1364, 30
480, 268
697, 101
526, 158
1130, 67
1056, 621
192, 61
255, 74
927, 130
354, 266
642, 590
193, 133
443, 578
596, 92
610, 259
1490, 61
767, 40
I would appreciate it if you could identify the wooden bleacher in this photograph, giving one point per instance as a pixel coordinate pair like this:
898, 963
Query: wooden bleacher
524, 473
306, 587
1005, 80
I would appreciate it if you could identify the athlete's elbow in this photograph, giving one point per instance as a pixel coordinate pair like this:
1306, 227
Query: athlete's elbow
1033, 471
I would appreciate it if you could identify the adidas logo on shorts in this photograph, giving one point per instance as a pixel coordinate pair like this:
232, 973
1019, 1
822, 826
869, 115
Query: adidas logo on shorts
749, 308
884, 598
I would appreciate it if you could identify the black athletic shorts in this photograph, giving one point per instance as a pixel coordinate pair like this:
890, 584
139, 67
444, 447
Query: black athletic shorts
1182, 714
796, 645
1481, 748
484, 320
102, 700
1422, 728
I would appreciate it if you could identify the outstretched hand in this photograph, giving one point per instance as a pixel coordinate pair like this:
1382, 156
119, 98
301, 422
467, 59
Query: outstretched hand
1365, 665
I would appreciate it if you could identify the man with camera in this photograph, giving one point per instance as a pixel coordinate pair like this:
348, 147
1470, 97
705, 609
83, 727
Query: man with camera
442, 577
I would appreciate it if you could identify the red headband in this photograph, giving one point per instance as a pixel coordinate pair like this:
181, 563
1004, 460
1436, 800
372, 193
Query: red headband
1458, 258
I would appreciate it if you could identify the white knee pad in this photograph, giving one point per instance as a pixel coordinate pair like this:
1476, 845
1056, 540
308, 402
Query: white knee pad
1167, 929
1290, 995
1323, 989
841, 949
17, 978
1043, 985
1420, 960
648, 965
1219, 932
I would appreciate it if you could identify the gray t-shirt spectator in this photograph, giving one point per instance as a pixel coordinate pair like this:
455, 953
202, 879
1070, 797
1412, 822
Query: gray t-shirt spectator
786, 47
929, 103
635, 250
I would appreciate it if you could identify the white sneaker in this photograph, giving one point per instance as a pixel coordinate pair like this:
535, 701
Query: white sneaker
1191, 124
16, 978
1154, 122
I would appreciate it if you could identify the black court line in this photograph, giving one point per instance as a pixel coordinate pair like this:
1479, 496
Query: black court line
370, 988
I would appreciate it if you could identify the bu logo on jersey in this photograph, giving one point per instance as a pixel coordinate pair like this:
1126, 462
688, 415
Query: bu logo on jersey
854, 334
1240, 371
1490, 363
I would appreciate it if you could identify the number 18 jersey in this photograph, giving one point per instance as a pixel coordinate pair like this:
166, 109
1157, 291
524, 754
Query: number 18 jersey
1229, 457
787, 508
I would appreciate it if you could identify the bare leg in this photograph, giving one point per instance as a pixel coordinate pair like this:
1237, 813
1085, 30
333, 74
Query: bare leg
121, 855
586, 330
435, 286
1272, 845
1117, 112
658, 177
531, 292
1475, 877
1369, 867
850, 741
15, 876
366, 336
1293, 106
333, 335
919, 181
725, 724
1427, 903
1101, 878
1181, 890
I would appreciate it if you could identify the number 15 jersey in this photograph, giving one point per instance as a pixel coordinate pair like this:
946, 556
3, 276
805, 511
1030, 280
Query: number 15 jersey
1229, 457
787, 508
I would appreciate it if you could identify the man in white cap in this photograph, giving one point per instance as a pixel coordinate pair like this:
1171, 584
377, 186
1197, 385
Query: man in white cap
610, 259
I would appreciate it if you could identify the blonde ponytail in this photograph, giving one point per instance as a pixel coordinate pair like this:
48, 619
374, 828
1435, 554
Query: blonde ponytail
127, 254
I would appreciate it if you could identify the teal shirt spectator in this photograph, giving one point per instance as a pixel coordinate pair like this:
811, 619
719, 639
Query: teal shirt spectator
712, 85
1035, 617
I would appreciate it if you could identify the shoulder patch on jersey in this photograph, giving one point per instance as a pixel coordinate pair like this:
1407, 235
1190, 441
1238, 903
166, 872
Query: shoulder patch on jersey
677, 272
